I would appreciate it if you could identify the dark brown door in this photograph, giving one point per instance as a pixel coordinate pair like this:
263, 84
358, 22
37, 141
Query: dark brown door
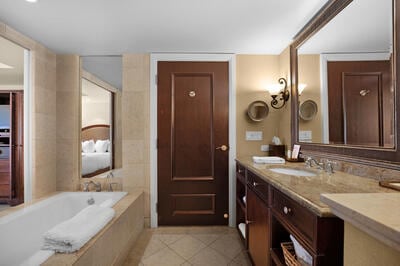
258, 228
362, 109
360, 73
17, 147
193, 144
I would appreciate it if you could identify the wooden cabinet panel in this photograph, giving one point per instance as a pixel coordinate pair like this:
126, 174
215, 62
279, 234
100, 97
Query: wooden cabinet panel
259, 186
258, 224
5, 191
294, 214
5, 178
4, 166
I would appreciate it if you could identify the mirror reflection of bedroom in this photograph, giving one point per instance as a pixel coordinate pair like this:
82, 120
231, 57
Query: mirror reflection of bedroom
96, 129
101, 80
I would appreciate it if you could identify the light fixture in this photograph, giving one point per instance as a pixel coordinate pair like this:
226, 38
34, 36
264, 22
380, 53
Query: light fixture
4, 66
31, 1
279, 89
301, 88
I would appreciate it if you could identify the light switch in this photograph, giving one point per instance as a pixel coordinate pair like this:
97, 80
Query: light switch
305, 136
254, 135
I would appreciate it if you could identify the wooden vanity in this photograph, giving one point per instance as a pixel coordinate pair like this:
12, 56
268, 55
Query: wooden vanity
277, 205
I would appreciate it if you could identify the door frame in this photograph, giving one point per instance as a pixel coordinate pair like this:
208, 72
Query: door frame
154, 58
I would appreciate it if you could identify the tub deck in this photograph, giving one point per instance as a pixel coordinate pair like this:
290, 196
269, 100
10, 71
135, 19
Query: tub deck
112, 244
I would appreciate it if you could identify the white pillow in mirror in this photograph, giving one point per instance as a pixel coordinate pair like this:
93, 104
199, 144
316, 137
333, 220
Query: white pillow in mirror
88, 146
101, 146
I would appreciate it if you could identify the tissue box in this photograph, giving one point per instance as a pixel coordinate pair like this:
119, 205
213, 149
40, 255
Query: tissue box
277, 150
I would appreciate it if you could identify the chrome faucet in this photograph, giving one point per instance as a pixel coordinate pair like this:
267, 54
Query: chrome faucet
329, 166
97, 186
309, 163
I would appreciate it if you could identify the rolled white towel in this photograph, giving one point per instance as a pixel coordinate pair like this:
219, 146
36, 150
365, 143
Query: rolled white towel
301, 253
72, 234
268, 159
242, 228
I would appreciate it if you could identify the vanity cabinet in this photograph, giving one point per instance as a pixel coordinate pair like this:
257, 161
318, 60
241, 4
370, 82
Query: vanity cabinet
258, 228
272, 216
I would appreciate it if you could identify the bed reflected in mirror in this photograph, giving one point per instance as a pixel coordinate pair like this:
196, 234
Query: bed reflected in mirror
101, 134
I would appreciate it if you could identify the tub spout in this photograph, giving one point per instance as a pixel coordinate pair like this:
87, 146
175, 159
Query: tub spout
86, 185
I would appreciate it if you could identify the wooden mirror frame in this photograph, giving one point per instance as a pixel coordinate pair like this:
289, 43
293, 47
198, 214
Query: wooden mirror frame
380, 157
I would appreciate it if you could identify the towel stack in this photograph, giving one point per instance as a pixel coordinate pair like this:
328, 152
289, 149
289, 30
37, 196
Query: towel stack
268, 159
72, 234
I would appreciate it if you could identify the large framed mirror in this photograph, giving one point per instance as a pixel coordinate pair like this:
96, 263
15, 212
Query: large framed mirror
101, 82
345, 61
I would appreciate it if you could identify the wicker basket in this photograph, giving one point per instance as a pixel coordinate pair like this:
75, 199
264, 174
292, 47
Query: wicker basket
288, 253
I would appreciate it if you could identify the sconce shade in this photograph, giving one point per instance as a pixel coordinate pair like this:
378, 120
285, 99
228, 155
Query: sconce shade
301, 87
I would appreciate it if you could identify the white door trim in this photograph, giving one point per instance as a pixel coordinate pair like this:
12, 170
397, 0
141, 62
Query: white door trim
231, 59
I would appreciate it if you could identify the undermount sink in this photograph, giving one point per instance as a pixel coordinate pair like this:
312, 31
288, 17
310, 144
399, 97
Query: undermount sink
289, 171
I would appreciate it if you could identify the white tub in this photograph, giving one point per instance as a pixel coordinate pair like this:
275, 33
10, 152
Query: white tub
21, 231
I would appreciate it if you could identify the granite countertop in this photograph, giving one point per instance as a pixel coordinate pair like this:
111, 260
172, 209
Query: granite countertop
376, 214
307, 190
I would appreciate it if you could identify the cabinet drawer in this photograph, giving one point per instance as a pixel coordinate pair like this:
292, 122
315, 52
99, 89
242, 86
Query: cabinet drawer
4, 178
294, 214
4, 166
258, 185
240, 170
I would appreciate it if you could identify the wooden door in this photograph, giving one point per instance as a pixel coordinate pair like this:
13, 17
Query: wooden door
258, 229
192, 130
17, 147
362, 109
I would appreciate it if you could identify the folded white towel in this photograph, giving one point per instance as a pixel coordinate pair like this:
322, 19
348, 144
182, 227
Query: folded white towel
107, 203
268, 159
38, 258
72, 234
242, 228
301, 253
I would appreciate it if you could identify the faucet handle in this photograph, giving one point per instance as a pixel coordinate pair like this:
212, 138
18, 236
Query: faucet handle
86, 186
97, 186
110, 188
329, 166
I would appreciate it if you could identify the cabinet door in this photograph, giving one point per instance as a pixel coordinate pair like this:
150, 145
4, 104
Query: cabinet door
258, 224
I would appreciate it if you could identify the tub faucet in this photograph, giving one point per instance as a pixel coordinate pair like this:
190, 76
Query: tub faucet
86, 185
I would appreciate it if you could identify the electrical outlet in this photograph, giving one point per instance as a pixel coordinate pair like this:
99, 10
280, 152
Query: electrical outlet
253, 135
265, 147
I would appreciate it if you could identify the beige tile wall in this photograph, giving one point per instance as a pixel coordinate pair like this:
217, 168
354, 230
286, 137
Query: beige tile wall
68, 122
136, 125
44, 112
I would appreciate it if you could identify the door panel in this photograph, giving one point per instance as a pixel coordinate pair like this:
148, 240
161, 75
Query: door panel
362, 109
192, 123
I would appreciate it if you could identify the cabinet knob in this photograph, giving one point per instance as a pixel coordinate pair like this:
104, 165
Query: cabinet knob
240, 171
249, 222
287, 210
255, 184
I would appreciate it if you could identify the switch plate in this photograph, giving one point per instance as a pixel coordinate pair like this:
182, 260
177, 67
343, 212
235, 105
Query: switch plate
253, 135
265, 147
305, 136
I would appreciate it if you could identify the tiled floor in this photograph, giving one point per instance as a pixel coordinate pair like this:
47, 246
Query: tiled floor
209, 246
4, 207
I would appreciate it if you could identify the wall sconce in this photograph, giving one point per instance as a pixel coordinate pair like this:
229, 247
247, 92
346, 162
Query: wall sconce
279, 89
301, 88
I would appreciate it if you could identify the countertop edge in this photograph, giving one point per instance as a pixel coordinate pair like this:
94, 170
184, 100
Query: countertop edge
380, 231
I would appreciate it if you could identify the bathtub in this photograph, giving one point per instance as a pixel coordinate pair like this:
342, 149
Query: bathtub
21, 231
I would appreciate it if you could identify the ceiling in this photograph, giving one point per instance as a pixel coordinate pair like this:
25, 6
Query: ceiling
104, 27
11, 55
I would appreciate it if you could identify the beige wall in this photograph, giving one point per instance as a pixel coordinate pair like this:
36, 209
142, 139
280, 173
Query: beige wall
43, 122
285, 131
309, 73
136, 125
360, 249
253, 74
68, 122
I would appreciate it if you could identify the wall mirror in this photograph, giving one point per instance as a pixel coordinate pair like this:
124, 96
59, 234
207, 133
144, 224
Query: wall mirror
257, 111
101, 83
344, 60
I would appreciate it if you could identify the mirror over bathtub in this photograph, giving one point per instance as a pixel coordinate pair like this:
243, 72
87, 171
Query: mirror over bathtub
101, 84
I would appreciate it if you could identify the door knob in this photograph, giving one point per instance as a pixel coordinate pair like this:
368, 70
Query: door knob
222, 148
